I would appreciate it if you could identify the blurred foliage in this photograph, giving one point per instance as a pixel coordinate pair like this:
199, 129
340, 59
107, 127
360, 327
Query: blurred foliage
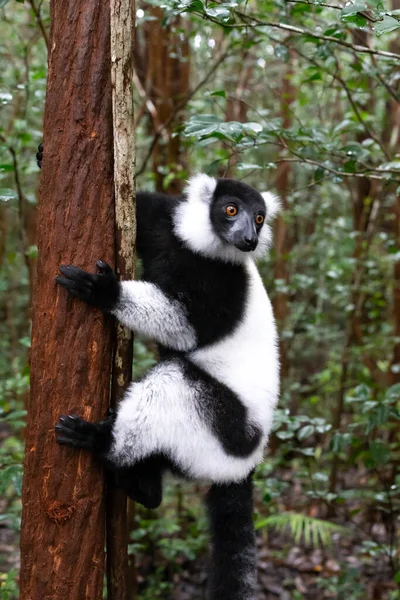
300, 97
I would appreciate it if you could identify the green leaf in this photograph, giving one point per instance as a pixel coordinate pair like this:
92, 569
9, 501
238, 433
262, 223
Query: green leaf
284, 435
305, 432
220, 93
386, 25
6, 168
256, 127
219, 12
357, 19
353, 9
393, 393
379, 452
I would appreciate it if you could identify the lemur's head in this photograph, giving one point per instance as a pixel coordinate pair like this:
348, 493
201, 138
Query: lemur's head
225, 219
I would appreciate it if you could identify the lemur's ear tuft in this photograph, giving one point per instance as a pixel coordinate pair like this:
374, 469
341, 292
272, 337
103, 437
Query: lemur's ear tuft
272, 203
200, 187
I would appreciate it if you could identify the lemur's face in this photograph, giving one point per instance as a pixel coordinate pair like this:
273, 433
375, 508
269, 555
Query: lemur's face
237, 214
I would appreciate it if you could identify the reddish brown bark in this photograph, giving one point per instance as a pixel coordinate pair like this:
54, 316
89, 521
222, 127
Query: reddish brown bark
62, 538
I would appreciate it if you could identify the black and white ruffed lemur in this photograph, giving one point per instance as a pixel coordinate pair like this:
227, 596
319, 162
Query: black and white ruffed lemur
205, 411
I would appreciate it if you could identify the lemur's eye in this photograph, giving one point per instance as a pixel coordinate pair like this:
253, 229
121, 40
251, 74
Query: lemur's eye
260, 219
231, 210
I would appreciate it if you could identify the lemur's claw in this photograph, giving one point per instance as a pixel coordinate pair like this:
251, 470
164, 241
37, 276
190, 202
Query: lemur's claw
103, 266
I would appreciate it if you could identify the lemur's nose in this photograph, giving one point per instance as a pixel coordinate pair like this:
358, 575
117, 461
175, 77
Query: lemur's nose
251, 242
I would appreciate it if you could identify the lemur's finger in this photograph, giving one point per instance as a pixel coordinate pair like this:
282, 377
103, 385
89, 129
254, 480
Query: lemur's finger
104, 267
73, 285
66, 432
75, 272
76, 423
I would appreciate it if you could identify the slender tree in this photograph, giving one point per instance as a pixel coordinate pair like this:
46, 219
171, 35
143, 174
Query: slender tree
122, 38
62, 538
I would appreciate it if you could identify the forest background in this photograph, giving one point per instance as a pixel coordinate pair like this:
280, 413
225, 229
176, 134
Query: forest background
301, 98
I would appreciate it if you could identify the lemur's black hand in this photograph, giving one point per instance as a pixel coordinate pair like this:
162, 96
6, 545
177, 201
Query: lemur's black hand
39, 155
75, 432
101, 290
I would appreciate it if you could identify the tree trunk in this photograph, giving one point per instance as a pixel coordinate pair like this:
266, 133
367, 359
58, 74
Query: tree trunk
282, 241
122, 44
62, 538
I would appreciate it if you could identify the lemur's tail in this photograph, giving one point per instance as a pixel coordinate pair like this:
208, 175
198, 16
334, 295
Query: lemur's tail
234, 559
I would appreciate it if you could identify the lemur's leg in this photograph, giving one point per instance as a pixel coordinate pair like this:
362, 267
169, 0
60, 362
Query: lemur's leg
178, 412
142, 482
181, 413
139, 305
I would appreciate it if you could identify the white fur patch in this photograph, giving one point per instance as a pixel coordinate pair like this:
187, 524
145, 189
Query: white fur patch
158, 415
247, 360
145, 309
273, 205
192, 223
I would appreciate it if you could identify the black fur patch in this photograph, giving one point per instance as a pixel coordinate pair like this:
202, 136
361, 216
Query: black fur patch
234, 558
213, 292
143, 480
224, 411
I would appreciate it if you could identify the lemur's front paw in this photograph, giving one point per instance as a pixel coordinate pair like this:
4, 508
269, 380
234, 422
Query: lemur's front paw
101, 290
39, 156
75, 432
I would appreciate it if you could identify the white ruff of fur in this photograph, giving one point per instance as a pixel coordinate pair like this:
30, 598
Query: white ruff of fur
193, 225
145, 309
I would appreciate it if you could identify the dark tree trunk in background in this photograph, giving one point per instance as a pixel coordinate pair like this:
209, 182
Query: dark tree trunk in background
393, 140
164, 73
236, 104
282, 240
62, 538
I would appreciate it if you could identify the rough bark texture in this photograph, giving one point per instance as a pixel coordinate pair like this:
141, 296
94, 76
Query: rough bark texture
122, 45
62, 539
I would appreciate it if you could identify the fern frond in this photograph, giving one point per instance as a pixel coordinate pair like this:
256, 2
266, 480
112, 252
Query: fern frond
313, 531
